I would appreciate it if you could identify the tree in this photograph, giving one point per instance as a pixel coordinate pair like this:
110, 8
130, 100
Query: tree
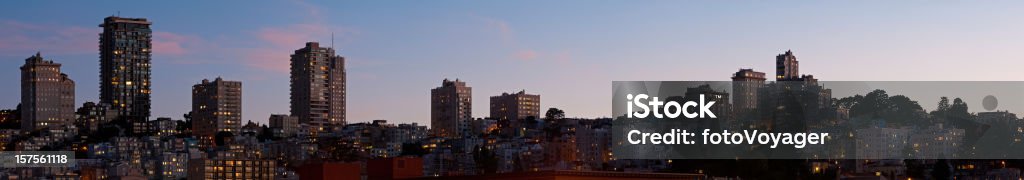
943, 104
848, 102
897, 110
947, 111
876, 102
554, 114
959, 108
904, 111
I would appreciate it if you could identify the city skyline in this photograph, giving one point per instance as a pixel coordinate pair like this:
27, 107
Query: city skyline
513, 40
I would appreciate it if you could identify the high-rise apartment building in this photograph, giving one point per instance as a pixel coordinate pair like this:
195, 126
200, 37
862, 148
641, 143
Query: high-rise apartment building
47, 95
745, 85
125, 54
216, 107
451, 109
786, 67
515, 106
318, 87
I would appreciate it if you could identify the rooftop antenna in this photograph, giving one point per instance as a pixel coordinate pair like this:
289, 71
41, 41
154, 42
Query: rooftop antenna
118, 13
332, 41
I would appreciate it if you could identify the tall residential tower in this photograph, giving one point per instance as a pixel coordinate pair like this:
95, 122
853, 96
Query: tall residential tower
125, 51
786, 67
318, 87
451, 109
216, 107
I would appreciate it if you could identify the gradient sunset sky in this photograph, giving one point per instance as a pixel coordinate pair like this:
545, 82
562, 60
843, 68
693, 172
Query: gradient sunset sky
569, 52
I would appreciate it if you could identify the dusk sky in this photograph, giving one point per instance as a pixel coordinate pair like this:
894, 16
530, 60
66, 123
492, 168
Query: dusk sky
569, 52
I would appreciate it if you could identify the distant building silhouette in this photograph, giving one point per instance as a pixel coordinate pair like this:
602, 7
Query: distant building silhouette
284, 125
164, 126
125, 54
745, 85
795, 100
722, 109
786, 67
451, 109
216, 107
91, 115
318, 87
47, 95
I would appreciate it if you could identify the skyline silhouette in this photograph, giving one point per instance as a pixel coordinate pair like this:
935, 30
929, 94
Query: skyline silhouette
397, 53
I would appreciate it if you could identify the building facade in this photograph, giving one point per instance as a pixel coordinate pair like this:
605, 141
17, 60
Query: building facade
216, 107
240, 160
164, 126
786, 67
125, 54
231, 168
91, 115
515, 106
451, 109
745, 85
47, 95
284, 125
318, 87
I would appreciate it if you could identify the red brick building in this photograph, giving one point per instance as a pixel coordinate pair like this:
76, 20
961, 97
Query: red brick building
330, 171
574, 175
394, 168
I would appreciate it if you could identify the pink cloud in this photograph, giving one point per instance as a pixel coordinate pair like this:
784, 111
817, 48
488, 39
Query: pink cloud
562, 57
21, 37
293, 35
500, 26
166, 43
526, 55
179, 48
270, 59
19, 25
279, 42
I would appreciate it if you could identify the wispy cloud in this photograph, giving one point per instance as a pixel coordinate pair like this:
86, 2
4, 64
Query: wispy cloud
168, 43
506, 33
526, 55
562, 57
277, 42
293, 34
22, 37
501, 27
